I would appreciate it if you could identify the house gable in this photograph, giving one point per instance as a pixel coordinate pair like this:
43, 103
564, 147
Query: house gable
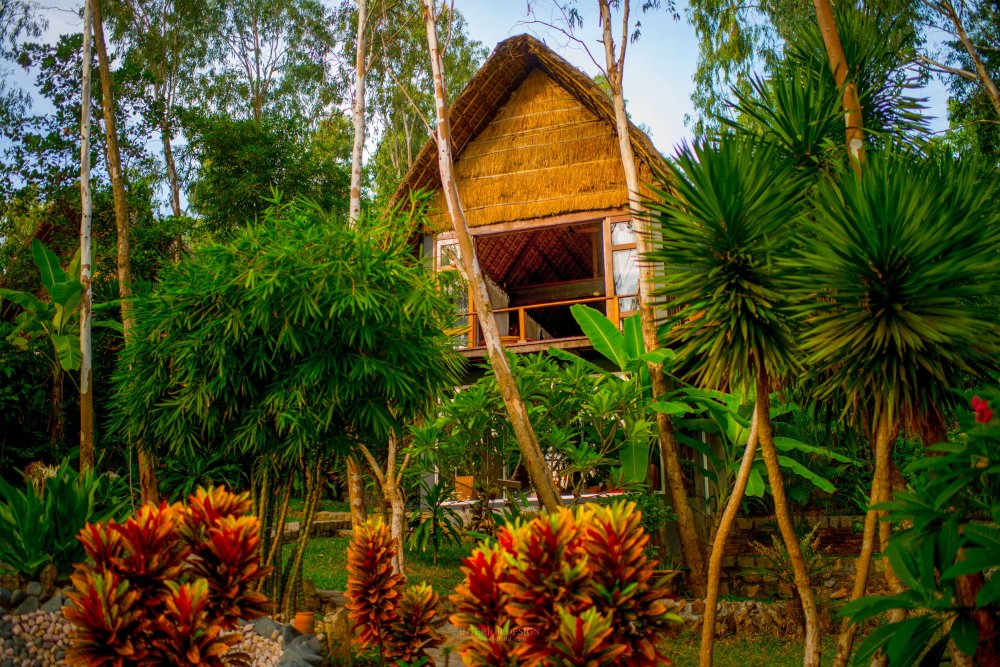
534, 138
543, 154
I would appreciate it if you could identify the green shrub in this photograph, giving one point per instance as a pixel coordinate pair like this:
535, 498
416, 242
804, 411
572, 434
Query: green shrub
39, 523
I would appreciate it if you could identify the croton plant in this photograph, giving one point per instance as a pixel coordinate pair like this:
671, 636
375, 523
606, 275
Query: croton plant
401, 624
567, 588
168, 586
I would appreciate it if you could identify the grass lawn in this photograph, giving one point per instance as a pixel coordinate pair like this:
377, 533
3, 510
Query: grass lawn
744, 651
325, 563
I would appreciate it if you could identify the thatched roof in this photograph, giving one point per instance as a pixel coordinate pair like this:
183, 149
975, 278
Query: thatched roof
533, 137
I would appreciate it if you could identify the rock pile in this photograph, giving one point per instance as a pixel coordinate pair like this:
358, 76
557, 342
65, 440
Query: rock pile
744, 616
34, 633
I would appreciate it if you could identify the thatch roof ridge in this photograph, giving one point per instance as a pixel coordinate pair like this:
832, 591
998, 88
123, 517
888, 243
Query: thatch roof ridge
506, 68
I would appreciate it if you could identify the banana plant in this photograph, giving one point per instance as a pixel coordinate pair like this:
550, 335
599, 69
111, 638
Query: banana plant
55, 320
625, 349
705, 410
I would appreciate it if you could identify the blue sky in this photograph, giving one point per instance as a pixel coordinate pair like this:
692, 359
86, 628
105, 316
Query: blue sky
659, 71
660, 66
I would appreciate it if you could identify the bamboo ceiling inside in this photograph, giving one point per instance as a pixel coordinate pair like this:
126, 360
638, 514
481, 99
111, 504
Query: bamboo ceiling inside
541, 256
534, 137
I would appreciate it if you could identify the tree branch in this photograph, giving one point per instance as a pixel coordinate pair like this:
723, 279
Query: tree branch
944, 69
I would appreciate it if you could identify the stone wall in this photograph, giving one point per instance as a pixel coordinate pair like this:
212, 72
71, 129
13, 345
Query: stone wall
748, 574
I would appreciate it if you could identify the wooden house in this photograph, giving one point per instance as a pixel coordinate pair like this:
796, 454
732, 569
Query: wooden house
540, 176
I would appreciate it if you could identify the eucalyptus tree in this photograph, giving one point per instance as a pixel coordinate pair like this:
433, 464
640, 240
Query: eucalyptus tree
86, 259
166, 44
147, 466
726, 234
400, 87
287, 346
900, 304
271, 58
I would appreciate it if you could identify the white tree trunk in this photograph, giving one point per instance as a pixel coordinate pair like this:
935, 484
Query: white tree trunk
538, 470
615, 63
358, 114
86, 352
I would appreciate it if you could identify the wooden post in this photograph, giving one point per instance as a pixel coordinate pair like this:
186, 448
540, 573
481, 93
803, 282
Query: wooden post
534, 459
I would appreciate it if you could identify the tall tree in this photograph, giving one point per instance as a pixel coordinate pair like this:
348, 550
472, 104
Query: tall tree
166, 43
147, 470
538, 469
272, 57
953, 20
355, 488
614, 75
400, 84
86, 350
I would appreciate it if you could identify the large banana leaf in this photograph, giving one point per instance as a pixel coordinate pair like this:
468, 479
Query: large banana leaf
603, 335
48, 265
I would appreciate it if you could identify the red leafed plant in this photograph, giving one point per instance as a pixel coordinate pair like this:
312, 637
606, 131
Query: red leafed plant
187, 632
572, 587
401, 624
166, 584
415, 629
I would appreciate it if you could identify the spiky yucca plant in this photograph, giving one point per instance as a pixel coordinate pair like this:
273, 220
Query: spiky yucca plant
549, 592
166, 584
898, 299
729, 218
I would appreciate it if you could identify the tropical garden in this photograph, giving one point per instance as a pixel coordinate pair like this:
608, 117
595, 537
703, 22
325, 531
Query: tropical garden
235, 430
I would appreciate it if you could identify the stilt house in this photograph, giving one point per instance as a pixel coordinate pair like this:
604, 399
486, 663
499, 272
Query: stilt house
540, 176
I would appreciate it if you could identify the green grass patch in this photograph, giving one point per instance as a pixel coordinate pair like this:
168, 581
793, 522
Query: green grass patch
325, 562
744, 651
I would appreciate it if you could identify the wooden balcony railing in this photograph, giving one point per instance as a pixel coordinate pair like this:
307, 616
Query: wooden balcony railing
511, 336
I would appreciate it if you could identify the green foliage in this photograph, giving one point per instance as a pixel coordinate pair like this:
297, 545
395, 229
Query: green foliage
582, 417
300, 334
180, 476
897, 285
168, 586
949, 530
57, 319
436, 524
241, 161
39, 523
727, 220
